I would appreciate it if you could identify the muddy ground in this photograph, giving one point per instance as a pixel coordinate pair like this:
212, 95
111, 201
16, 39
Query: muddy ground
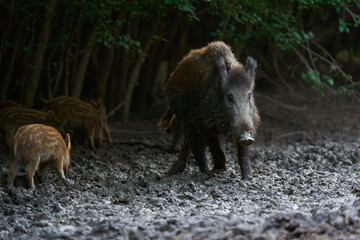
306, 168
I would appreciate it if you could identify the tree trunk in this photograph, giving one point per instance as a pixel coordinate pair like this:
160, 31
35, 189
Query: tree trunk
163, 64
6, 32
123, 73
160, 79
142, 92
10, 68
132, 81
80, 76
39, 55
75, 29
104, 71
111, 98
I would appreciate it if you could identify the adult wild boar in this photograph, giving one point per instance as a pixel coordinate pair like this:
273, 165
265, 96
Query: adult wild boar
212, 94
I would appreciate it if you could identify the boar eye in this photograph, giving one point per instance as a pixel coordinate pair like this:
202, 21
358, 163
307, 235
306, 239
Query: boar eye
249, 96
230, 98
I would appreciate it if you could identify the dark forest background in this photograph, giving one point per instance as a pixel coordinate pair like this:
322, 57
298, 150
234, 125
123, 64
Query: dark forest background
124, 51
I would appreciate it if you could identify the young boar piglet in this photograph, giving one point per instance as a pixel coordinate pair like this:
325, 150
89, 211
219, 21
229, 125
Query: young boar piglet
80, 117
39, 146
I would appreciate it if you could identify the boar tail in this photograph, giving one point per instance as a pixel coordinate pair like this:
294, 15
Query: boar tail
166, 120
13, 147
67, 141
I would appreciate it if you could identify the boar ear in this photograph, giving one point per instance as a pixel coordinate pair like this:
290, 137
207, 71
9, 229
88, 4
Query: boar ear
222, 69
250, 67
67, 141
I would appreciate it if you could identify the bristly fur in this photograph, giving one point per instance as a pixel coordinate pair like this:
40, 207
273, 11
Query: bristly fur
211, 94
195, 89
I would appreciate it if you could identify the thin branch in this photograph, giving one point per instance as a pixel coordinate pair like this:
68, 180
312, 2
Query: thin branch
264, 75
302, 58
333, 62
310, 54
352, 14
113, 111
283, 79
280, 104
279, 74
225, 26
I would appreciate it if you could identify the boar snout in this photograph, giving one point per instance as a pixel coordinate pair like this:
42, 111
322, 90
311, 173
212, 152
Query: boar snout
246, 139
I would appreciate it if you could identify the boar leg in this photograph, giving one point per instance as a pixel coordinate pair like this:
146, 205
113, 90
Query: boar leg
107, 132
242, 153
43, 168
33, 164
7, 139
98, 137
60, 167
13, 169
217, 153
180, 164
200, 157
176, 137
91, 135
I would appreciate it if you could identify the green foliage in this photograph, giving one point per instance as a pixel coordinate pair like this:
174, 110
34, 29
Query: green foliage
343, 26
183, 6
286, 25
313, 78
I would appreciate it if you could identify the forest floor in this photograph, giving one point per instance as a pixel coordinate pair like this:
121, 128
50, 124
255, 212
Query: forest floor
306, 184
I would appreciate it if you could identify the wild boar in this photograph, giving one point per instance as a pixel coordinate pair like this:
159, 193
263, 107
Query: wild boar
211, 93
12, 118
39, 146
80, 117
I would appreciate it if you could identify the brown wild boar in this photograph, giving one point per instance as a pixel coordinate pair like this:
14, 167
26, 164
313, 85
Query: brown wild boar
12, 118
211, 93
39, 146
80, 118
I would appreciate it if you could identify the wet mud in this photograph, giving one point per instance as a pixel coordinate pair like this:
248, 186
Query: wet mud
306, 169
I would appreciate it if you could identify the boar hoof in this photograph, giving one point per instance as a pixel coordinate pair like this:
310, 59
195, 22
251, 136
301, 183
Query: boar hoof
246, 176
246, 139
218, 170
205, 169
178, 167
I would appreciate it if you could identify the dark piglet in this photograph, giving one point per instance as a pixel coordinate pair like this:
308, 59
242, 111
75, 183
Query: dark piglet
80, 118
11, 118
211, 94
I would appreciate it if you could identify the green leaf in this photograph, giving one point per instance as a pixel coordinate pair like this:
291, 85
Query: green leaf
343, 26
